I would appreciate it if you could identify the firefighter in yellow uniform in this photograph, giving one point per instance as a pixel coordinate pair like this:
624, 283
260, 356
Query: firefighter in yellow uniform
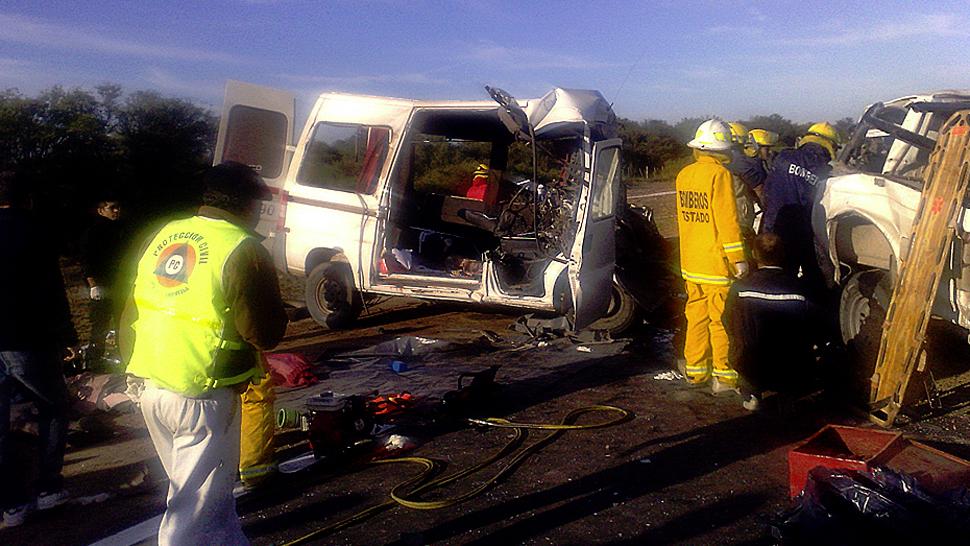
711, 253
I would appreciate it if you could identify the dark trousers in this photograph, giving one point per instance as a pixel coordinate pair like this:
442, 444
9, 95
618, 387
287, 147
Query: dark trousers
103, 318
794, 227
38, 377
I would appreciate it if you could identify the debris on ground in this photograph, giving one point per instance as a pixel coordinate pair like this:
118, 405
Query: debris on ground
669, 375
101, 392
290, 370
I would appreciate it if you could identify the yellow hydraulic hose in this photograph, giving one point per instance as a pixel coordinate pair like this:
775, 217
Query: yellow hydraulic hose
400, 493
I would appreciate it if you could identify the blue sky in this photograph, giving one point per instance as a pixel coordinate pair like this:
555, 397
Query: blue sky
654, 59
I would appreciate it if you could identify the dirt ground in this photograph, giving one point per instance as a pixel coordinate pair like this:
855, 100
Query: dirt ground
688, 468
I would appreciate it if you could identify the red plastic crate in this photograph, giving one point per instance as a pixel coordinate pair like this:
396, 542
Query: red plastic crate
836, 446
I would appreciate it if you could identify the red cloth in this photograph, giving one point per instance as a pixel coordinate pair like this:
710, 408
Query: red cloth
290, 370
479, 188
377, 142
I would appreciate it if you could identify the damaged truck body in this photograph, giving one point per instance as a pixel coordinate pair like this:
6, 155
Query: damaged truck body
865, 215
503, 202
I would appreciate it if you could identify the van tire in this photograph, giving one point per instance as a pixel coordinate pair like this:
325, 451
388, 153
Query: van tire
331, 297
622, 315
862, 312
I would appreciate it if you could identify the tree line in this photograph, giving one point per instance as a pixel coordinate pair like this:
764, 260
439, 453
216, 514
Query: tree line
75, 147
650, 144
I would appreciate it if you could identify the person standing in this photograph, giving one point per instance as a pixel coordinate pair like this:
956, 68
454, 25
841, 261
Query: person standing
749, 174
205, 301
35, 326
711, 254
771, 325
791, 191
767, 144
479, 190
102, 248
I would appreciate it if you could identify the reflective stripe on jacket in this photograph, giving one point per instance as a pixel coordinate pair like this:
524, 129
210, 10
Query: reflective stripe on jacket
181, 306
707, 221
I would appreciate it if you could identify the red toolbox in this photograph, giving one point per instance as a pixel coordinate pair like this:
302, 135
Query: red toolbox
836, 446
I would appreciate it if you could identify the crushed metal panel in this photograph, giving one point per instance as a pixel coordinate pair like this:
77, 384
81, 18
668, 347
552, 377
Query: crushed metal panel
566, 112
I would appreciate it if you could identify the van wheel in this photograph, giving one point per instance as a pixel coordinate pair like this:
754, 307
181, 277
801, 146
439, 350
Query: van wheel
862, 312
331, 297
622, 314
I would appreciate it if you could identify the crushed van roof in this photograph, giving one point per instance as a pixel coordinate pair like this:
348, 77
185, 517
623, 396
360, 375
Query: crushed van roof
563, 112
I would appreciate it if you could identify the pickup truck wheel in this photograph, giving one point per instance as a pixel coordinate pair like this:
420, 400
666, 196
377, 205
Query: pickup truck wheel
331, 297
622, 314
862, 312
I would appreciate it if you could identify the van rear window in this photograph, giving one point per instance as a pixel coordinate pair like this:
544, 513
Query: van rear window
345, 157
256, 137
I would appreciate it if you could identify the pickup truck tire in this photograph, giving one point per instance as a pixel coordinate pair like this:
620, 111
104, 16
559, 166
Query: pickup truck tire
331, 297
622, 314
862, 312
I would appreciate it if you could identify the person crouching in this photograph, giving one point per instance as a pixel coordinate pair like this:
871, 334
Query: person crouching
770, 323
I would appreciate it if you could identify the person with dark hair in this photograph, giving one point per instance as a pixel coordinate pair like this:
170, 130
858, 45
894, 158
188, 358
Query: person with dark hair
102, 248
771, 325
205, 302
35, 327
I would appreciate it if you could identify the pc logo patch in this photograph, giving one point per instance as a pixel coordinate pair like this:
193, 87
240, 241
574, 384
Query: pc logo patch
175, 264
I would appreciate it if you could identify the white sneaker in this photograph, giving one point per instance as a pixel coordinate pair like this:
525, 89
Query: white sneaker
14, 517
717, 387
752, 403
52, 499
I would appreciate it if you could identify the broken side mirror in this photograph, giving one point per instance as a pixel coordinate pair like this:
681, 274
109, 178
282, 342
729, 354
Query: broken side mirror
511, 114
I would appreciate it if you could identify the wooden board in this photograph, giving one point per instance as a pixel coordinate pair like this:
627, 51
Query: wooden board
904, 332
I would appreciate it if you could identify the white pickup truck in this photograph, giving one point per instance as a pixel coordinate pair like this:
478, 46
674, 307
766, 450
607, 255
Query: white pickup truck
375, 199
865, 214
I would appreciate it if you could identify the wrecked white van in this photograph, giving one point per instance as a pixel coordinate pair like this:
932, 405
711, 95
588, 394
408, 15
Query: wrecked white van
497, 202
866, 211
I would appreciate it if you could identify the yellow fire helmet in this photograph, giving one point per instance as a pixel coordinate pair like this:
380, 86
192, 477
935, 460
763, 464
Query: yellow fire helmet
739, 133
764, 137
823, 134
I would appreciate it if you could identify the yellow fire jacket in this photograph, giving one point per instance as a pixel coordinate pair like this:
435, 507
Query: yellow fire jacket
707, 219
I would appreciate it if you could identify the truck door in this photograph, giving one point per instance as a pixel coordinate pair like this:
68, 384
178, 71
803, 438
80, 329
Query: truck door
256, 129
593, 253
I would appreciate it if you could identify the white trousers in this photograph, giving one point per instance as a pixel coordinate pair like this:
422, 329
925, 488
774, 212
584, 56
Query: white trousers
197, 440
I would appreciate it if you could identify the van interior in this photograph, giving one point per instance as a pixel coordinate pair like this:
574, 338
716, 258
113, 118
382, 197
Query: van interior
462, 192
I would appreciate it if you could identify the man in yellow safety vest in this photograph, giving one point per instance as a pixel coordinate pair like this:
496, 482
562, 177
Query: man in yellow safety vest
205, 301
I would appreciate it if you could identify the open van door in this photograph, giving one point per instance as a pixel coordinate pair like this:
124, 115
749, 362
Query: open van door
256, 129
594, 249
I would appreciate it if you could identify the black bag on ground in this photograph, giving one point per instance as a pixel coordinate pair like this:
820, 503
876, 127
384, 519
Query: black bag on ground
849, 507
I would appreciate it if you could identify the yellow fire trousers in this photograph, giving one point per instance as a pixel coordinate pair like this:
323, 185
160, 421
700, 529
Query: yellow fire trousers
257, 454
706, 343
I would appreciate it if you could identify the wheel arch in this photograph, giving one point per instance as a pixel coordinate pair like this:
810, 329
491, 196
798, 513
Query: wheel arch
860, 243
320, 255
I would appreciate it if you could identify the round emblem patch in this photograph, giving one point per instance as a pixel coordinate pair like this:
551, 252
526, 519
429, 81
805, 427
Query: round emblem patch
175, 264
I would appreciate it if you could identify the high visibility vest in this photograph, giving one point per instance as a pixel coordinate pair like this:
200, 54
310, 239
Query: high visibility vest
179, 332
